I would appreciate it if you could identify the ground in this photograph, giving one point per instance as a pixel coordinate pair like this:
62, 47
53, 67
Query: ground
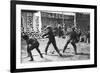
83, 50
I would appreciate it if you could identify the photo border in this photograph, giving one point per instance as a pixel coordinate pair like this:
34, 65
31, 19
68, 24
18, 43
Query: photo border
13, 35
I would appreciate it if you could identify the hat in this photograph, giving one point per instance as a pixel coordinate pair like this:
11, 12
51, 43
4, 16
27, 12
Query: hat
49, 27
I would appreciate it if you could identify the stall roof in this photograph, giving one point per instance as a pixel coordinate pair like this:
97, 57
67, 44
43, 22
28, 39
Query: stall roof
65, 13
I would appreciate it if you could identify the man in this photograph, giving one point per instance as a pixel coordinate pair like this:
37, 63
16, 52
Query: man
72, 40
60, 31
88, 37
79, 33
31, 44
51, 37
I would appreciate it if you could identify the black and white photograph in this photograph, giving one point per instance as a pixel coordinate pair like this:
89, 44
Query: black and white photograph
49, 35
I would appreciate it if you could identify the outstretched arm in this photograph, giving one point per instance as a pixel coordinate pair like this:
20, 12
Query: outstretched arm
45, 34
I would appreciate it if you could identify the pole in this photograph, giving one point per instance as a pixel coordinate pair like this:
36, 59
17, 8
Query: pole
75, 20
63, 20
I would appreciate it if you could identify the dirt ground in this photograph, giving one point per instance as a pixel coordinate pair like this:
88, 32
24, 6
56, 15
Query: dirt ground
83, 50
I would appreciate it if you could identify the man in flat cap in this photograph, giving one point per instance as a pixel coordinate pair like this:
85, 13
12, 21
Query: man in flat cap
72, 39
32, 43
52, 40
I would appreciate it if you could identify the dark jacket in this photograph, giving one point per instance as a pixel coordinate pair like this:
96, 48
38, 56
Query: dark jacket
33, 42
50, 35
73, 36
